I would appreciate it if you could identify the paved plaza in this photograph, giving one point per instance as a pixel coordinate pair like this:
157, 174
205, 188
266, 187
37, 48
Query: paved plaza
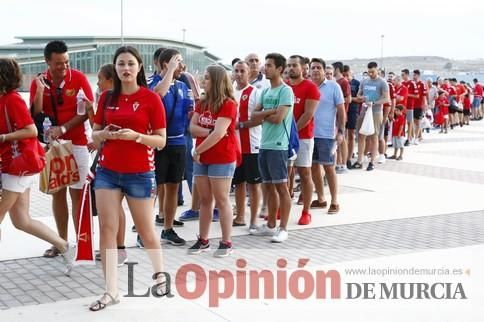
424, 212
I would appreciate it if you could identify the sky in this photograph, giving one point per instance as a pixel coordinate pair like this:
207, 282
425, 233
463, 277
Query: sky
342, 29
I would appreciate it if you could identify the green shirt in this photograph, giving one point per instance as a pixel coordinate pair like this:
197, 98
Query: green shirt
276, 136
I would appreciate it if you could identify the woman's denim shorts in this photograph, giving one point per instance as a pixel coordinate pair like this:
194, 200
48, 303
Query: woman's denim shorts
135, 185
224, 170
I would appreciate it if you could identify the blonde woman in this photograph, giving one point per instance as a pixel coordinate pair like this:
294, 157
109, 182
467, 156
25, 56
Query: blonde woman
215, 156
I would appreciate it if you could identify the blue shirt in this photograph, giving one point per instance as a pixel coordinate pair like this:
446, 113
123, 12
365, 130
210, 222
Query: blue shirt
325, 115
355, 86
177, 104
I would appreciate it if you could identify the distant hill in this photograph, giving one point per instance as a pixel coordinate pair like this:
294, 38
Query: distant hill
436, 64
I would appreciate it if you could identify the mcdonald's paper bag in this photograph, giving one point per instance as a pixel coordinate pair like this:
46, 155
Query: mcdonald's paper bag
61, 169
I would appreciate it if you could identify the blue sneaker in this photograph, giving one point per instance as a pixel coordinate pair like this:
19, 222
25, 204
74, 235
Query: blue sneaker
139, 242
215, 215
189, 215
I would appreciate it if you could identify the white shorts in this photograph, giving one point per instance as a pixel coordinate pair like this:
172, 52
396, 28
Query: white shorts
18, 183
305, 154
83, 160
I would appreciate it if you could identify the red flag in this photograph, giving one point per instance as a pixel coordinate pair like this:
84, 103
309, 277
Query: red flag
85, 243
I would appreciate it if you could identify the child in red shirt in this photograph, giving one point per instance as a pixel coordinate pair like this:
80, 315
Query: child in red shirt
442, 105
398, 132
467, 108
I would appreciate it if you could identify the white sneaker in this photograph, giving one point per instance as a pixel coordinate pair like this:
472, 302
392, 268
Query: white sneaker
68, 257
381, 159
415, 142
263, 230
279, 236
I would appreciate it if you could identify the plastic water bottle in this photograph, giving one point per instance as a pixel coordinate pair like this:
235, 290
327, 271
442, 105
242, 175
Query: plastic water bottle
46, 125
81, 104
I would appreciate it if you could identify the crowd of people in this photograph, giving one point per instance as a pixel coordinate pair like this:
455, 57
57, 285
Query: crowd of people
255, 128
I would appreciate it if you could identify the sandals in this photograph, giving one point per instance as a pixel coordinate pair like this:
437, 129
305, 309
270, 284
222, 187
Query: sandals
238, 224
99, 305
163, 288
317, 204
52, 252
333, 209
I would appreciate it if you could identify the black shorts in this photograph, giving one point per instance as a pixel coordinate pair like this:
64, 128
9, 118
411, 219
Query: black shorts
417, 113
452, 110
352, 117
170, 164
467, 112
248, 171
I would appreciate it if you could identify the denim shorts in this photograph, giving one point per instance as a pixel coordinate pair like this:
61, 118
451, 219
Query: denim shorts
222, 170
135, 185
476, 103
273, 165
324, 151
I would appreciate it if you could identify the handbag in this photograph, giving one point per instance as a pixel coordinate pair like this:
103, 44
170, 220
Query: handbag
367, 126
30, 159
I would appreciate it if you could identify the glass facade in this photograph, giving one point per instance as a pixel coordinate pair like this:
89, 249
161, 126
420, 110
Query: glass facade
88, 54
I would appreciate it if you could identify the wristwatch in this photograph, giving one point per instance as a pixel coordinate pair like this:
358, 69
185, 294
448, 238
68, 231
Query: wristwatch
341, 131
138, 139
63, 129
241, 125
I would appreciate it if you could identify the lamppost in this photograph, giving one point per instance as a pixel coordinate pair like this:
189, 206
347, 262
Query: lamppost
381, 62
122, 29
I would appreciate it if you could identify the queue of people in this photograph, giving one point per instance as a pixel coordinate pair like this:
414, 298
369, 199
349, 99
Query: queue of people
244, 125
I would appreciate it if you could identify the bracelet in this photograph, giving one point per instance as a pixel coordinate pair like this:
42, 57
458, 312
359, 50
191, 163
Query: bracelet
3, 137
138, 139
241, 125
63, 129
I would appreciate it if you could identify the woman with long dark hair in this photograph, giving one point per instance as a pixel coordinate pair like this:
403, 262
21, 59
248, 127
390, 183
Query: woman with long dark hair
129, 127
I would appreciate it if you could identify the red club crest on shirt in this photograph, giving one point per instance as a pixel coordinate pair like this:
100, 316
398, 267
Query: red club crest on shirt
135, 106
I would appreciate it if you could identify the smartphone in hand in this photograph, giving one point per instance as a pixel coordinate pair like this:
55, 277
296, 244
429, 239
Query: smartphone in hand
113, 127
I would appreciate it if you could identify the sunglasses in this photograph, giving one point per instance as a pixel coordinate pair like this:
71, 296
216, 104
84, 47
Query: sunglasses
58, 94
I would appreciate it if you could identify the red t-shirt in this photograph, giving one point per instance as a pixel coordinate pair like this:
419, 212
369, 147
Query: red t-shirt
402, 91
306, 90
73, 82
478, 91
398, 124
445, 87
460, 89
391, 90
19, 117
451, 91
467, 103
412, 90
142, 112
422, 93
225, 150
346, 89
443, 105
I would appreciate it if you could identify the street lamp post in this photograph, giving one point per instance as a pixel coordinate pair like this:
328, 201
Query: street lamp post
381, 62
122, 27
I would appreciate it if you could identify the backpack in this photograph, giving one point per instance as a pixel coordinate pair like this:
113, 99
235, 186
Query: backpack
293, 138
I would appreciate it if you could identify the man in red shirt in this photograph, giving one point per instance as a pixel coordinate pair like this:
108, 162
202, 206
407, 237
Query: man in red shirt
420, 105
476, 103
54, 93
306, 99
411, 96
342, 150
